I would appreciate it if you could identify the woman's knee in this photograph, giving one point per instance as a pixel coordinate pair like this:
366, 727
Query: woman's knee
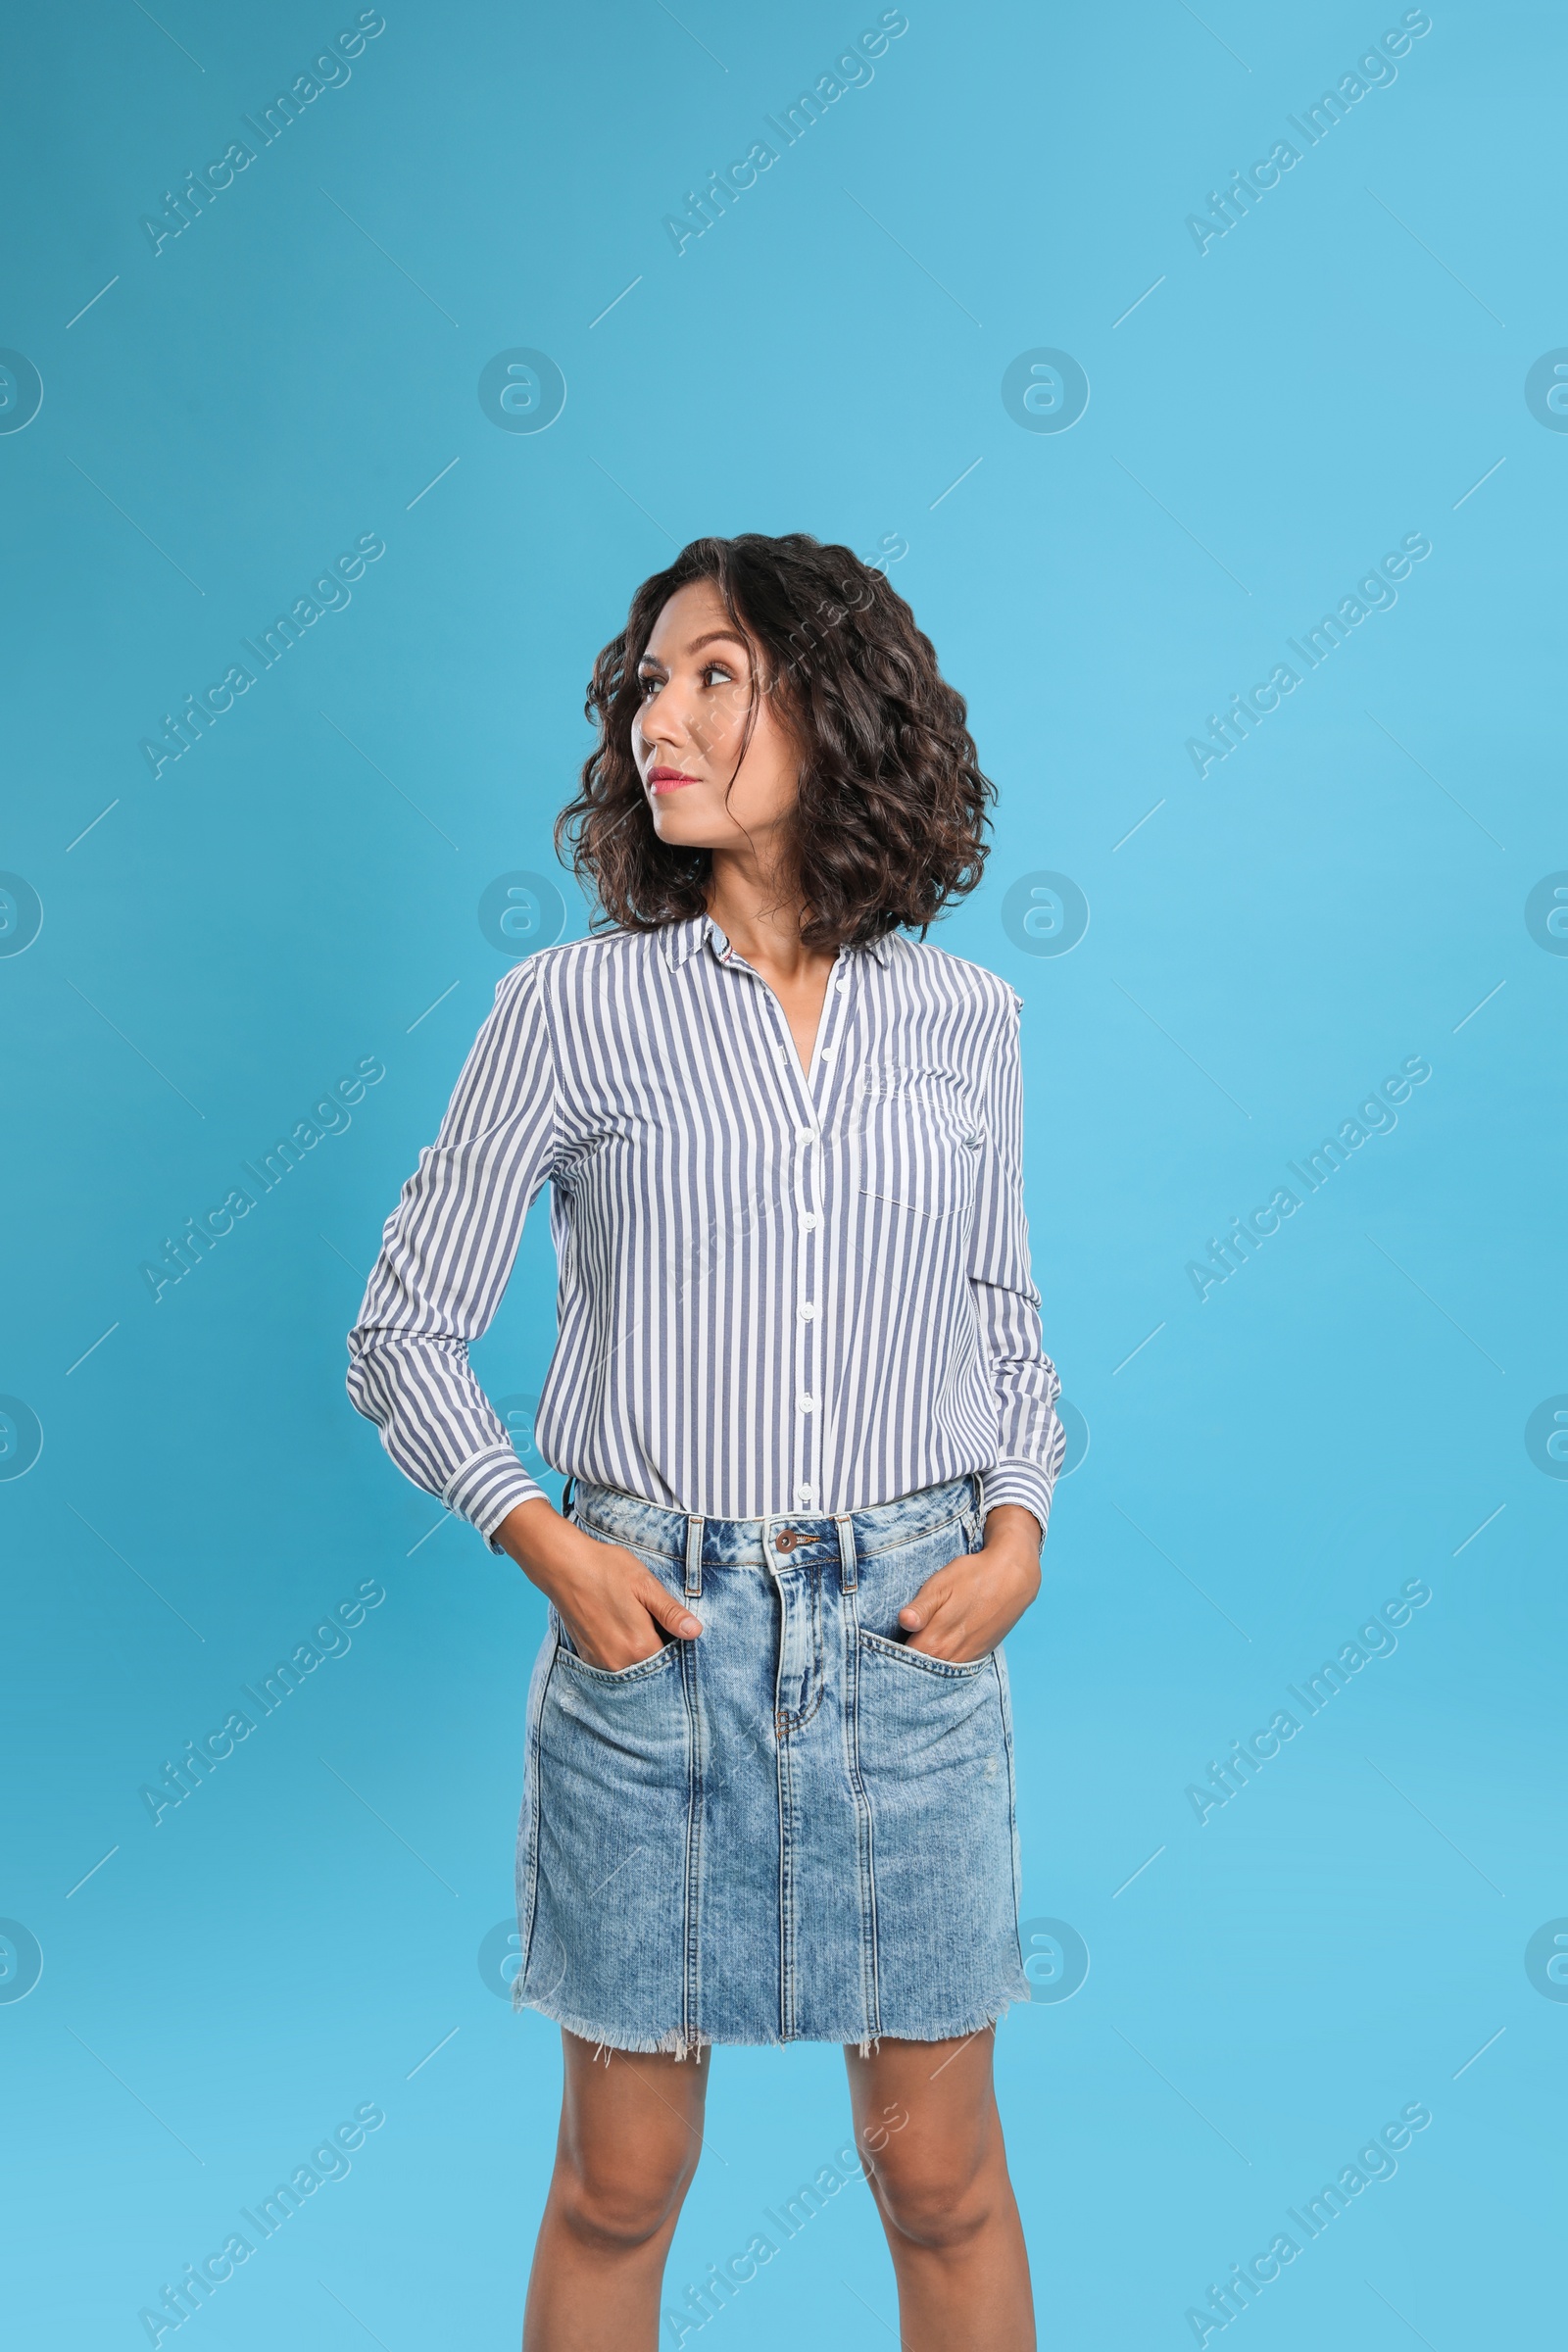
623, 2197
935, 2197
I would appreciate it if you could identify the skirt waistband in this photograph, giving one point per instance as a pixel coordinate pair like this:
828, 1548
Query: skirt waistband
785, 1538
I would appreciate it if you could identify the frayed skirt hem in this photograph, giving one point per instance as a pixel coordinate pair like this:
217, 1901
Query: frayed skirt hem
676, 2043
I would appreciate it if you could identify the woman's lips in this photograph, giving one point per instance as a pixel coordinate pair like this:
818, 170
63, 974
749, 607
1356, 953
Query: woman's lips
667, 779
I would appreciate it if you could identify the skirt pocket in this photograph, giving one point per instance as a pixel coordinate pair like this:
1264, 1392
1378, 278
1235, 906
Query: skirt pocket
945, 1669
614, 1676
614, 1763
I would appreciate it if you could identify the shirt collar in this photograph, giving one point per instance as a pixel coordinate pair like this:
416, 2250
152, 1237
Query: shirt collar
681, 941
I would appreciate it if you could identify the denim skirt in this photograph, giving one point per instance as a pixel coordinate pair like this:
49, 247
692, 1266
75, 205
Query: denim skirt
791, 1828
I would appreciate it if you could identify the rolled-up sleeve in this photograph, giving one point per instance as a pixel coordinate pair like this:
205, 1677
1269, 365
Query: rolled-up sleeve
447, 1253
1030, 1439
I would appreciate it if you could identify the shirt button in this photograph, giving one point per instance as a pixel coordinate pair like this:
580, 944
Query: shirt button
805, 1494
828, 1054
807, 1312
811, 1220
808, 1405
841, 986
805, 1135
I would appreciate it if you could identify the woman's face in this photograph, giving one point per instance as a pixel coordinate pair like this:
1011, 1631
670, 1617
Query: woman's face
686, 738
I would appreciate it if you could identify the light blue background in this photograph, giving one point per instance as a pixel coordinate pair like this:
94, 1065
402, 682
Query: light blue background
1340, 894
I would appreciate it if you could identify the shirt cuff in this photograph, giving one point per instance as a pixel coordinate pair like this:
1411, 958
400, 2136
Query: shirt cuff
1018, 1482
487, 1486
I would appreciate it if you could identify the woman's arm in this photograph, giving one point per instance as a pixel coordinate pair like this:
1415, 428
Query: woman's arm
1030, 1439
968, 1607
446, 1257
447, 1253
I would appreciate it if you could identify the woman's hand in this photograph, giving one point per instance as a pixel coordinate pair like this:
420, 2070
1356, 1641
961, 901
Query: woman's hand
615, 1608
968, 1607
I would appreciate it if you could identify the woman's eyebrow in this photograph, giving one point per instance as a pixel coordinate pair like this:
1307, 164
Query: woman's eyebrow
716, 637
712, 637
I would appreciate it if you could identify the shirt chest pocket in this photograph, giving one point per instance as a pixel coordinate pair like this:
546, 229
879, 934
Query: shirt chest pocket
919, 1142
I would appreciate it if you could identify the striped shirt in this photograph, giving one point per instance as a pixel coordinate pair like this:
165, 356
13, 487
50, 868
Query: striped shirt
779, 1289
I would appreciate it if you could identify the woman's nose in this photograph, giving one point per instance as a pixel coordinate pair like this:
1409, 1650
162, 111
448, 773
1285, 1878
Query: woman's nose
656, 722
666, 718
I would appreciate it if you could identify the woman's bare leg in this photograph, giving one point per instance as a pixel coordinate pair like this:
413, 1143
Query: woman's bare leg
632, 2128
926, 2123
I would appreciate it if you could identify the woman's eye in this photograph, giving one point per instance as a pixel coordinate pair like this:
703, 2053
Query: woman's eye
712, 673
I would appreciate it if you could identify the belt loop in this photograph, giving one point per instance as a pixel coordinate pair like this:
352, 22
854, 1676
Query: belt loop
694, 1555
845, 1523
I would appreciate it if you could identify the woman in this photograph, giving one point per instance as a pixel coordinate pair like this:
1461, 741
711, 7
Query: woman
800, 1394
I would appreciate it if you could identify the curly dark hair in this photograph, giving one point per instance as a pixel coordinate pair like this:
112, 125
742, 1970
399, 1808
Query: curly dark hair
892, 805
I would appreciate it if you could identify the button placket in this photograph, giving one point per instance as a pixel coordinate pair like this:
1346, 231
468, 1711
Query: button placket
810, 1143
833, 1072
808, 1154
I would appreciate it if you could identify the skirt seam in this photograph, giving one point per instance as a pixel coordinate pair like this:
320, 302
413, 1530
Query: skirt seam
691, 1989
535, 1777
865, 1825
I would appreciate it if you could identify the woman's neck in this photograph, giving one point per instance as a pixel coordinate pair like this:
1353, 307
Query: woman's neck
761, 914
